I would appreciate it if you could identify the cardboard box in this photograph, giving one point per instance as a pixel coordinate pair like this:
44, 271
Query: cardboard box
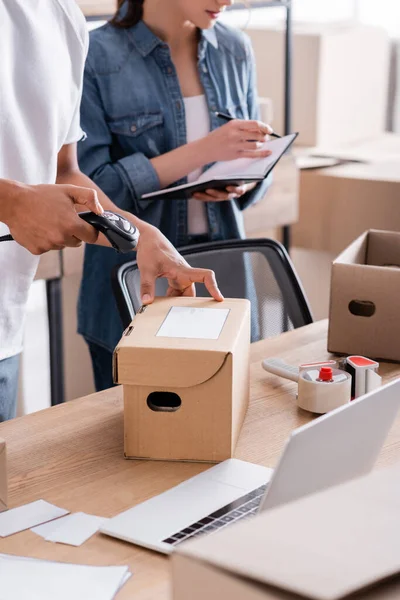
49, 265
337, 204
337, 97
365, 289
384, 148
393, 121
331, 545
3, 476
184, 366
92, 8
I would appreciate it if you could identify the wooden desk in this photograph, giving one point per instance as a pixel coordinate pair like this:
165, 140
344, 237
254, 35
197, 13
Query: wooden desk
72, 455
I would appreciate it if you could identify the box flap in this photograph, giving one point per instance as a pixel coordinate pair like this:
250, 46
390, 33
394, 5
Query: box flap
3, 476
375, 248
383, 248
181, 368
323, 547
154, 351
355, 253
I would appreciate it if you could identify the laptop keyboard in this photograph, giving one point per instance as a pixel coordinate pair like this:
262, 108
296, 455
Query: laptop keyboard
242, 508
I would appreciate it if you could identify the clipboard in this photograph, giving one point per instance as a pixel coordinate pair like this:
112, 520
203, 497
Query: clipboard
230, 173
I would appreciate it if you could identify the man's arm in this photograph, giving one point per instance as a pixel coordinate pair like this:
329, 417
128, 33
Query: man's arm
156, 256
42, 217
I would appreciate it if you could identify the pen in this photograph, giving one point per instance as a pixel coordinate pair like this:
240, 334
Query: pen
229, 118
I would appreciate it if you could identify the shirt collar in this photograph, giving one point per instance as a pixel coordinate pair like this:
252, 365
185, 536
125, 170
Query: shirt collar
210, 35
145, 40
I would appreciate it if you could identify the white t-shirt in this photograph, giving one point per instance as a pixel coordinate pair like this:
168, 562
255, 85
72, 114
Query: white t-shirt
43, 46
197, 126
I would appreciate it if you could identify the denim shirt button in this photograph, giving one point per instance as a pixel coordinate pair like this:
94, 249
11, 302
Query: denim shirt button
133, 128
178, 104
205, 70
169, 70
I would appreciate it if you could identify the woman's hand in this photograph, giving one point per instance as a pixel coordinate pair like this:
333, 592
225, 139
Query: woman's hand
236, 139
230, 193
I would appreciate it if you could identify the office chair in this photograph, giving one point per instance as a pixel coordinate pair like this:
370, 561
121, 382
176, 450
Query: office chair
257, 269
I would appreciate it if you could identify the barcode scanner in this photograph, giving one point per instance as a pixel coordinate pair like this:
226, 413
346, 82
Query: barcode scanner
122, 235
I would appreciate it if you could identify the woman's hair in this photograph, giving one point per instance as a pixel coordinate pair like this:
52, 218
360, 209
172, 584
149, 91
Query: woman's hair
132, 15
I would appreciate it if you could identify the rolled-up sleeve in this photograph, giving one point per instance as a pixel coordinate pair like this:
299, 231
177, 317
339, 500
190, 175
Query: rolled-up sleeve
254, 113
124, 180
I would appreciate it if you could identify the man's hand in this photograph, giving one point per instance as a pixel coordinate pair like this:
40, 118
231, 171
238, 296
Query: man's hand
156, 257
43, 217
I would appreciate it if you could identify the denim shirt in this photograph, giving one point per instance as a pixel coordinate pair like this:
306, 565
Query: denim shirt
132, 110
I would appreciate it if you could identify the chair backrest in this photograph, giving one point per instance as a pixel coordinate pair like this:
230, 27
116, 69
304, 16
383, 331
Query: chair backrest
257, 269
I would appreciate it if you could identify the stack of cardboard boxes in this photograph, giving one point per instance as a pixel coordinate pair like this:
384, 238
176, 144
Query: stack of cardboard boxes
340, 100
340, 105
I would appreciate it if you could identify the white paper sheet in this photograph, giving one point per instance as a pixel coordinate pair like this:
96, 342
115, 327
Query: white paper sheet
47, 528
76, 530
46, 580
246, 167
193, 323
27, 516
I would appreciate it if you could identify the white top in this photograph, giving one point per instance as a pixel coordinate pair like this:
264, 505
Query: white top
43, 45
197, 126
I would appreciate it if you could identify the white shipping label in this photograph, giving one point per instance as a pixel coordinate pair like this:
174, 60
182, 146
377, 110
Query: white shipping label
193, 323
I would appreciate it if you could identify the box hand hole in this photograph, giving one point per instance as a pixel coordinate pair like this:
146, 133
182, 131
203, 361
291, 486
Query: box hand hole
362, 308
163, 401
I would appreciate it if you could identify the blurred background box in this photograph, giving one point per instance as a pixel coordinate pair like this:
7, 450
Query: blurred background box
340, 79
49, 265
280, 205
382, 148
3, 476
337, 204
78, 374
393, 123
97, 7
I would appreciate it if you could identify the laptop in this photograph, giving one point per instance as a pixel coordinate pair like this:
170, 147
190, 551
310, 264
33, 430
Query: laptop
337, 447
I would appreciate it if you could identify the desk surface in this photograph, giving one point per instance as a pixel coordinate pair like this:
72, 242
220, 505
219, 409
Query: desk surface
72, 455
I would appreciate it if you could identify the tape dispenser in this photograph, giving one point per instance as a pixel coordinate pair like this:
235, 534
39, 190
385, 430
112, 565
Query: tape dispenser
322, 386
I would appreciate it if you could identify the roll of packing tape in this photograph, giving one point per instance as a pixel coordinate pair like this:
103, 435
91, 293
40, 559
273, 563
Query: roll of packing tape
322, 390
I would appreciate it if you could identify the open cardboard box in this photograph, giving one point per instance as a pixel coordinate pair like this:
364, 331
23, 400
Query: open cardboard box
329, 546
364, 302
3, 476
184, 366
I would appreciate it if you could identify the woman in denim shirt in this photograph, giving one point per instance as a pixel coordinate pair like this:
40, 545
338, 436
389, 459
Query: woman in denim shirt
155, 77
